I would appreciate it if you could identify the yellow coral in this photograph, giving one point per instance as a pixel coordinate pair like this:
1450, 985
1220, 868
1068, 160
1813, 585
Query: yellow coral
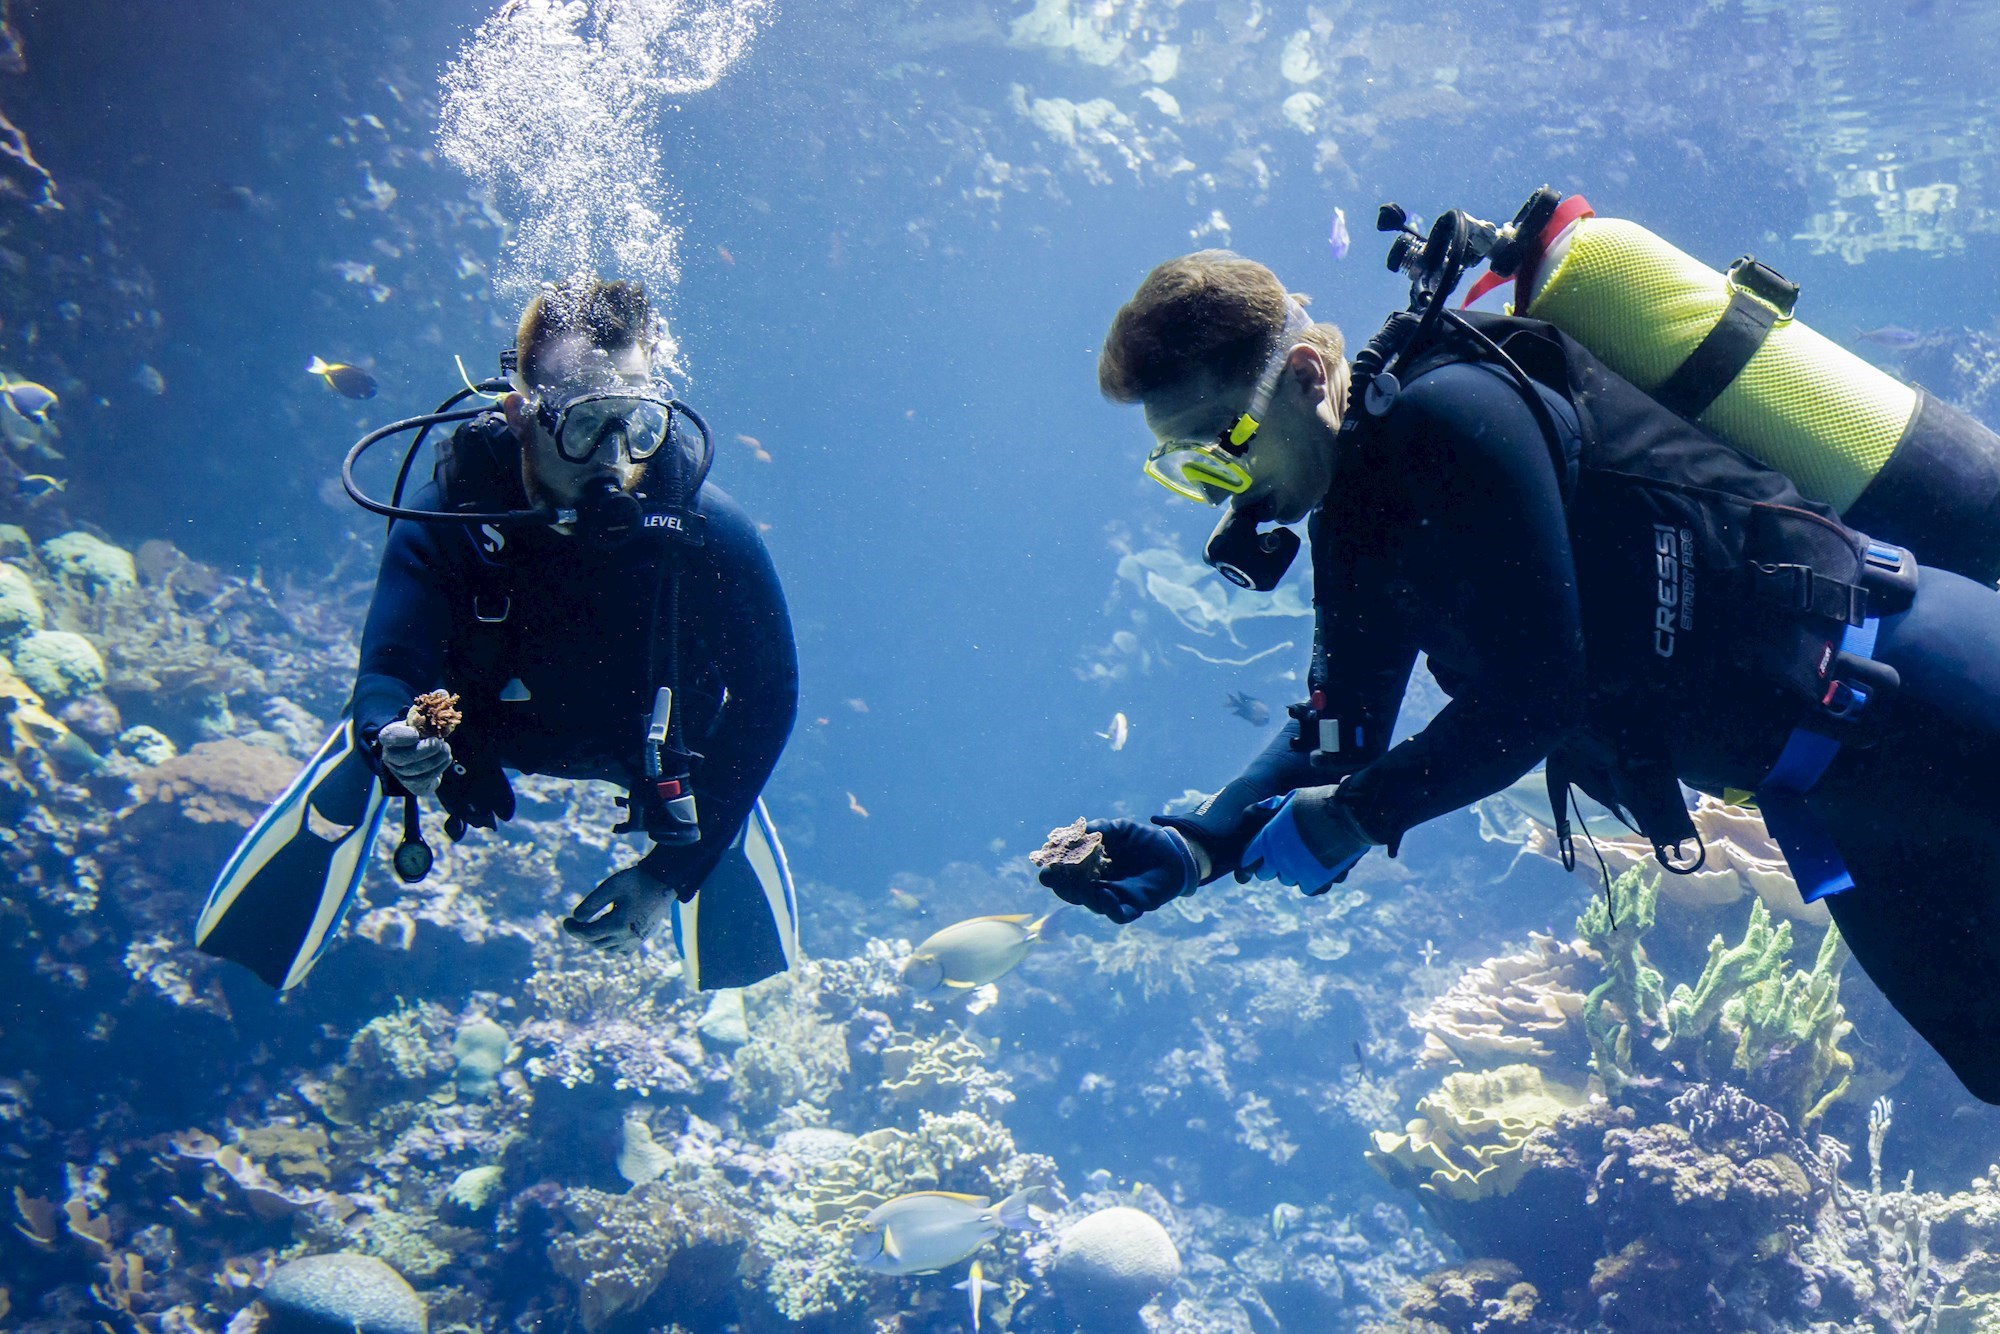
1468, 1141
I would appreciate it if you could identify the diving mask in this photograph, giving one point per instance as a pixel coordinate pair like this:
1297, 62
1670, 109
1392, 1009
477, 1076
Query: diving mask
1210, 472
593, 405
631, 419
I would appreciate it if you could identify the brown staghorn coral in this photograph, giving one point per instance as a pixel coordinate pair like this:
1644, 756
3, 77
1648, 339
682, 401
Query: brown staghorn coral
434, 714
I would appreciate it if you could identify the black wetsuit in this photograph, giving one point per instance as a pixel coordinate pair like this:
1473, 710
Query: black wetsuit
1448, 534
574, 638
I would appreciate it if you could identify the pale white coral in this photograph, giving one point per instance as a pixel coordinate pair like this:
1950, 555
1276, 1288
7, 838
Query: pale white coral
1525, 1006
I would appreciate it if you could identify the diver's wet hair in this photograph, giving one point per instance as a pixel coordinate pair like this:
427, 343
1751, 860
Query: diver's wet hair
611, 315
1211, 311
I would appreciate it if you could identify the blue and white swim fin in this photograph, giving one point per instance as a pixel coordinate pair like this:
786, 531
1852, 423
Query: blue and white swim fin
282, 894
742, 925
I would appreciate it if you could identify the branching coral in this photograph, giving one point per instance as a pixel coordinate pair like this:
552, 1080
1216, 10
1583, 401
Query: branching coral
807, 1234
1789, 1029
620, 1249
1162, 964
1627, 1007
943, 1072
611, 1018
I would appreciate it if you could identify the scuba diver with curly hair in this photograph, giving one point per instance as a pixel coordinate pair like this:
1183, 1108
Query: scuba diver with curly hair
1597, 582
602, 611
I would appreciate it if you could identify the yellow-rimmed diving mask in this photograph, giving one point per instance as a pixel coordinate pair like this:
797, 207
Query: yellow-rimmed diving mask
1210, 472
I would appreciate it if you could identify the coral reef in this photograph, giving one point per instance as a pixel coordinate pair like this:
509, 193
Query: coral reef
1740, 858
86, 560
1526, 1006
349, 1292
1470, 1138
58, 664
1110, 1263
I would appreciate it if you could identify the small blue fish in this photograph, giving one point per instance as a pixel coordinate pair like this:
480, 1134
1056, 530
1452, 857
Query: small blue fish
1338, 237
35, 485
1893, 336
31, 400
1249, 708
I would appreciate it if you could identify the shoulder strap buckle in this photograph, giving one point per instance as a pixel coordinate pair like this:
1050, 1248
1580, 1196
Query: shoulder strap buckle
1802, 590
491, 608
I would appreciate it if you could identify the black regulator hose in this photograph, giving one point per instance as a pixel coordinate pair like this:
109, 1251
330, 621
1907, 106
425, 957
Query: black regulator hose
424, 423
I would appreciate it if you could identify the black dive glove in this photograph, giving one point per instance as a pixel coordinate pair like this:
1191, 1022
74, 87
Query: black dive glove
1149, 865
620, 912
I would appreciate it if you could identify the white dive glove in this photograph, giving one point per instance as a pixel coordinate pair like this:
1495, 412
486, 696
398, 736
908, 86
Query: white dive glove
417, 762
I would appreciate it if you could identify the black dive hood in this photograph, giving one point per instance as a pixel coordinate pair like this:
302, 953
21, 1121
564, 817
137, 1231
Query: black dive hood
604, 513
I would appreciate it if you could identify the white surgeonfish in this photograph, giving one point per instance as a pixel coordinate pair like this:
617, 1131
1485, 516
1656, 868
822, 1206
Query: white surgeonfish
974, 952
929, 1230
974, 1287
1119, 732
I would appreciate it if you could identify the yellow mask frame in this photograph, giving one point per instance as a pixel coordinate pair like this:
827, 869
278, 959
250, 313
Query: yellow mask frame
1210, 472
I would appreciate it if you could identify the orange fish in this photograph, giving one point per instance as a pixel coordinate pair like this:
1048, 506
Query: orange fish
756, 447
854, 804
722, 252
823, 722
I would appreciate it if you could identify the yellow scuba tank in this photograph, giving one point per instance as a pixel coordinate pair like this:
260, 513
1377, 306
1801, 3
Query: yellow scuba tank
1724, 351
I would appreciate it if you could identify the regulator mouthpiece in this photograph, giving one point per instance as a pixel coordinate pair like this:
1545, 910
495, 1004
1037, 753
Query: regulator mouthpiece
1246, 557
607, 514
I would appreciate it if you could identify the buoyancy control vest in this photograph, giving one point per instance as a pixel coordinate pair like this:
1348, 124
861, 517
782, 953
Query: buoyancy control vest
478, 468
1703, 577
1725, 351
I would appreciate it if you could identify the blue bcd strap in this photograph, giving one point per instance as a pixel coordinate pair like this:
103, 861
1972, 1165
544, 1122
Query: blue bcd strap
1809, 849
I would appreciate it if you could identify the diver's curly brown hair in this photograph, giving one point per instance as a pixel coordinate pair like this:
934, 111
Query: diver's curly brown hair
1212, 311
612, 315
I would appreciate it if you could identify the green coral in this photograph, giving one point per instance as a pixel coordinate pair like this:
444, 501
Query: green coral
1629, 1005
1789, 1030
1693, 1012
1779, 1029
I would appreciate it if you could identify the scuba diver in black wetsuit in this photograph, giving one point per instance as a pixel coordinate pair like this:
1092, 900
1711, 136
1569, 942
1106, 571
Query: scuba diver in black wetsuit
603, 612
1595, 582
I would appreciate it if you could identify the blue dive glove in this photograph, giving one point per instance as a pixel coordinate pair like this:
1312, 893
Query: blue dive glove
1311, 842
1149, 866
